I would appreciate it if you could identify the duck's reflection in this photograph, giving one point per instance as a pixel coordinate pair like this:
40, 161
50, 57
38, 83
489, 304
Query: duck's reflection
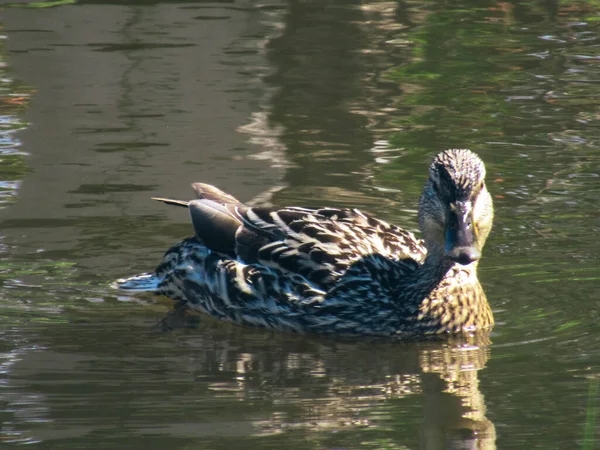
329, 385
454, 407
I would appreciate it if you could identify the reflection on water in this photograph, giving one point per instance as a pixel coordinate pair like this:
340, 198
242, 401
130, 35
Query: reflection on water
219, 381
292, 102
14, 98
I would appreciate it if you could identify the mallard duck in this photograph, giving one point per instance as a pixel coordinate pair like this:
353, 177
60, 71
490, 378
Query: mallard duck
336, 271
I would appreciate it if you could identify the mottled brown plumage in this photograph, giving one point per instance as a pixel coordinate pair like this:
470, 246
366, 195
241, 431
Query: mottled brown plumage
337, 271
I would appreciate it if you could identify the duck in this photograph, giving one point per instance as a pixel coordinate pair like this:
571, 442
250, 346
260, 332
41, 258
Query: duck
336, 271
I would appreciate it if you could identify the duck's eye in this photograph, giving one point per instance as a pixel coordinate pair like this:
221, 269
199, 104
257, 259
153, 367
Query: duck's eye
453, 224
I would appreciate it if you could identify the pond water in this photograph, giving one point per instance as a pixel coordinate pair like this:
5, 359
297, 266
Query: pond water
105, 104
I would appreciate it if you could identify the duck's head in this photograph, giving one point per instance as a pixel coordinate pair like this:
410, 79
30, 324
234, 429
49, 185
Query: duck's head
455, 210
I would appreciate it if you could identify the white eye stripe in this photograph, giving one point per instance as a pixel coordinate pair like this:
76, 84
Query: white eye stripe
462, 207
465, 207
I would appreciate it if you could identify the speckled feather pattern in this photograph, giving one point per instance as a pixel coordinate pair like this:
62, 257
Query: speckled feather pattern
456, 174
325, 271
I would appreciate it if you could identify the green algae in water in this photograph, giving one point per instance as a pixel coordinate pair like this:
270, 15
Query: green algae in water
38, 5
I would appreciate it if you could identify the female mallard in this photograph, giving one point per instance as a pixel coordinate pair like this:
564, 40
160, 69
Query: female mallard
336, 271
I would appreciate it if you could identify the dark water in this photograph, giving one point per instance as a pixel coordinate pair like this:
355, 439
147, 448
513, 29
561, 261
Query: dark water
105, 104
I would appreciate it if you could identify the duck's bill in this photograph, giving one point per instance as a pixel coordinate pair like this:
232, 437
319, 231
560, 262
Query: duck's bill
461, 240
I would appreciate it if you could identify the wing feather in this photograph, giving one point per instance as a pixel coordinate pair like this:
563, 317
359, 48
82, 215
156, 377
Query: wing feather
320, 244
317, 244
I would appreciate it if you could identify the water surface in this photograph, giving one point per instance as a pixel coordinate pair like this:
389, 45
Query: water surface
106, 104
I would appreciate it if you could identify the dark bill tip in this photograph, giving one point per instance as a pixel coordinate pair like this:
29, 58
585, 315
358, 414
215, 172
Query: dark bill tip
464, 255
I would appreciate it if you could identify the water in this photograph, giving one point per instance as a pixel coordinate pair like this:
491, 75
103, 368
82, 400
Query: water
341, 103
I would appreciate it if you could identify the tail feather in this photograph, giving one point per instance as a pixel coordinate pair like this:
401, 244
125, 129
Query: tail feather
203, 192
170, 201
145, 282
209, 192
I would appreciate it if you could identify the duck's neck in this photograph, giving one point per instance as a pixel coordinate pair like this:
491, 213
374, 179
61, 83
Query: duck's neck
450, 296
436, 267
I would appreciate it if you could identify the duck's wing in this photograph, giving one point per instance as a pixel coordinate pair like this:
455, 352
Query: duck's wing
213, 215
320, 244
209, 192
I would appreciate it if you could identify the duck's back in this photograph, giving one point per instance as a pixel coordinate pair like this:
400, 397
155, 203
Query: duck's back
319, 244
282, 268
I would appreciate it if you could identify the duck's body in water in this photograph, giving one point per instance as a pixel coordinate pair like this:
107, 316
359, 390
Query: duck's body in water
336, 271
